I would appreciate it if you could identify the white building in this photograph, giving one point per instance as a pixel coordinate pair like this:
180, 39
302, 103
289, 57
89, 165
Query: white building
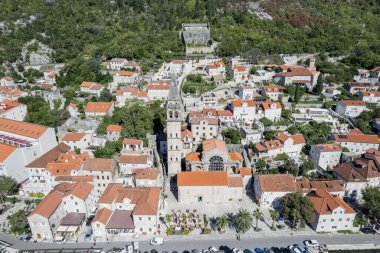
243, 110
216, 69
246, 92
356, 141
240, 73
7, 81
124, 76
146, 178
103, 170
79, 141
130, 93
331, 212
116, 63
282, 144
298, 76
10, 163
114, 132
269, 189
372, 97
126, 211
12, 110
270, 110
128, 163
209, 187
272, 91
351, 108
65, 198
31, 139
99, 109
179, 67
91, 88
204, 128
357, 175
157, 92
73, 110
325, 156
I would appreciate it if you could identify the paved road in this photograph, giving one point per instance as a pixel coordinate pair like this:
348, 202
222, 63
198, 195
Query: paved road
189, 244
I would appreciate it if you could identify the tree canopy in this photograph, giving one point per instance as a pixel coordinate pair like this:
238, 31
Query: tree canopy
298, 209
371, 197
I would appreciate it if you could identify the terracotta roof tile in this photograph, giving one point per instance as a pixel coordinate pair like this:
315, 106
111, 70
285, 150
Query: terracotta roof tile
99, 164
224, 113
50, 156
193, 157
212, 144
127, 141
114, 128
22, 128
324, 203
102, 216
359, 138
146, 173
98, 107
241, 103
5, 151
134, 159
73, 136
277, 183
353, 102
234, 156
202, 178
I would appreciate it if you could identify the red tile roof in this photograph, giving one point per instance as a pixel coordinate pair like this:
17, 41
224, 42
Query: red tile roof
128, 141
22, 128
98, 107
353, 102
73, 136
134, 159
5, 151
277, 183
114, 129
241, 103
324, 203
202, 178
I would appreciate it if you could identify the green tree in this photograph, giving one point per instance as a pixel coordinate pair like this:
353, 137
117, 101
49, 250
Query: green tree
222, 223
266, 122
18, 222
371, 197
232, 136
7, 186
269, 135
258, 216
274, 217
243, 221
105, 96
109, 150
261, 165
319, 87
297, 208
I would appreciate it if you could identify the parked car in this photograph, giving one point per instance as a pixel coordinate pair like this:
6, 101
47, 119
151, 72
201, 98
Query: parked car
301, 248
311, 243
60, 240
195, 251
157, 241
206, 251
247, 251
276, 250
258, 250
25, 237
268, 250
236, 250
213, 249
368, 230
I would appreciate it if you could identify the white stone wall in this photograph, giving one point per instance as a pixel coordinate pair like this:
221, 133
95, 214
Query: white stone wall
209, 194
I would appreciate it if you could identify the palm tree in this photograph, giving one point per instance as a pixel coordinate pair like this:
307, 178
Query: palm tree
243, 220
222, 223
274, 216
258, 215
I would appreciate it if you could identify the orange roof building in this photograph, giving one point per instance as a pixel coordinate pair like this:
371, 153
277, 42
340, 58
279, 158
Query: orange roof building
209, 187
331, 212
99, 108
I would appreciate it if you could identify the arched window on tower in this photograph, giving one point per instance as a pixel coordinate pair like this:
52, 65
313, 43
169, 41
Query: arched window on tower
176, 115
216, 164
171, 114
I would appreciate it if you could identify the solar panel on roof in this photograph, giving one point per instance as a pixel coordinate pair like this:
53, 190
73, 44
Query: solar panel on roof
321, 148
343, 136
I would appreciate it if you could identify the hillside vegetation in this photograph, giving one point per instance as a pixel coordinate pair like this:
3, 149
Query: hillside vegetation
149, 29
